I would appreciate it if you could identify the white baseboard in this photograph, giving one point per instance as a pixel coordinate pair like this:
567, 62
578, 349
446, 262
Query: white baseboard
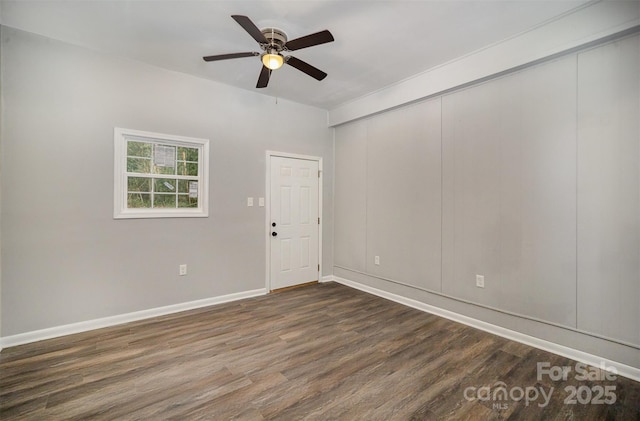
574, 354
54, 332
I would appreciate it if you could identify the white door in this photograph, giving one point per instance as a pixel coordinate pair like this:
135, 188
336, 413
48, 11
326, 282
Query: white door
294, 221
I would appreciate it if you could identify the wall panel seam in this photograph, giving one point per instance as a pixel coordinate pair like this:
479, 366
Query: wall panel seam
577, 67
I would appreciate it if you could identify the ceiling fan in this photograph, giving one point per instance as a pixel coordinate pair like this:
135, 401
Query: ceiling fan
273, 43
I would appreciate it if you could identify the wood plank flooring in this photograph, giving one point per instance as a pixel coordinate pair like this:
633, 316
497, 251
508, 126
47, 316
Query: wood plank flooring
323, 352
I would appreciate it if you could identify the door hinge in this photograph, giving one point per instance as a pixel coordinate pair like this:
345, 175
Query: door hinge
318, 221
318, 173
318, 268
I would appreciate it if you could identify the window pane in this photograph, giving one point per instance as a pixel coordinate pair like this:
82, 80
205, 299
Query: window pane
141, 165
138, 200
164, 200
139, 149
139, 184
164, 170
187, 168
183, 186
164, 155
184, 201
164, 185
188, 154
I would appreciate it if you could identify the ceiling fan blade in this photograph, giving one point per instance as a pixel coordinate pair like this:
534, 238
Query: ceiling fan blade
263, 79
306, 68
229, 56
251, 28
318, 38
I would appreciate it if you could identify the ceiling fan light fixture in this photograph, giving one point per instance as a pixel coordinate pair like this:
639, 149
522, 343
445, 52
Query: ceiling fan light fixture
272, 60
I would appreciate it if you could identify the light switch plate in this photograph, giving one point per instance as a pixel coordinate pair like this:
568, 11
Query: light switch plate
249, 201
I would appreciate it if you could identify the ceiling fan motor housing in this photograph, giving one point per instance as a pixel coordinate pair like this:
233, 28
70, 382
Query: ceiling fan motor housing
276, 37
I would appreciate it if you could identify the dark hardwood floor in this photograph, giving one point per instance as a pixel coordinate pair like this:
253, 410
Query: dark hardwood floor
323, 352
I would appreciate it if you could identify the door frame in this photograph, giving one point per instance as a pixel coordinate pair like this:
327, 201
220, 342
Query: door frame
267, 224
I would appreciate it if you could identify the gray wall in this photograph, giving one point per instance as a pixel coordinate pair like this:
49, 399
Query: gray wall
509, 209
609, 191
403, 195
531, 179
64, 258
1, 153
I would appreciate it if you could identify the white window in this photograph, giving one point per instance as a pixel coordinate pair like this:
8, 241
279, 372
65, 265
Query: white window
159, 176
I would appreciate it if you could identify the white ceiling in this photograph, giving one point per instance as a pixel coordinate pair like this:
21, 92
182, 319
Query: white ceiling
377, 43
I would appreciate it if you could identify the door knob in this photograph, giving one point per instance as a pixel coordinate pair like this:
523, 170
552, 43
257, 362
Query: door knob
273, 224
274, 234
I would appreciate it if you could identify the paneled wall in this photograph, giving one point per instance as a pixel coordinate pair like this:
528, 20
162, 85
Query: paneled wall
403, 195
350, 201
609, 191
531, 180
509, 173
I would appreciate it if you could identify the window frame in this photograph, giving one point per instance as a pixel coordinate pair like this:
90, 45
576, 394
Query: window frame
121, 210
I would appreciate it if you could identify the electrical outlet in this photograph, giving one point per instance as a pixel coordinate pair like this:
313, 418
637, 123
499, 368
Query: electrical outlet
480, 281
183, 270
376, 260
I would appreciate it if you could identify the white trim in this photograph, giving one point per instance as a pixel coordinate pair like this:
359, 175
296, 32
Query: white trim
120, 210
54, 332
574, 354
267, 223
